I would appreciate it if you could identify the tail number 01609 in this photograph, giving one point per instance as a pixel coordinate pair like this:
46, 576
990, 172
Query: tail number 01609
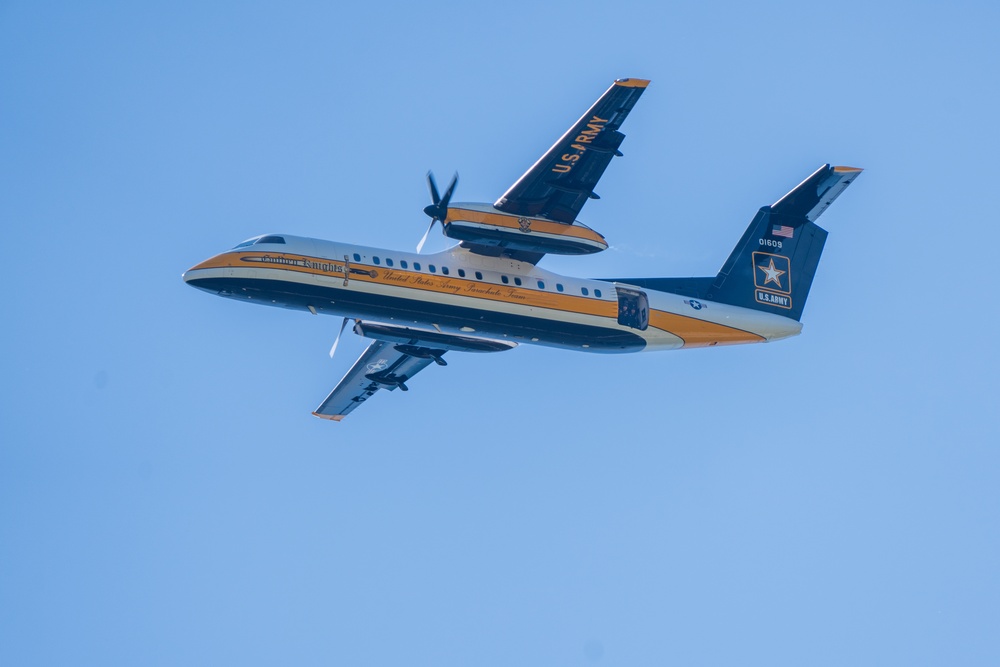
771, 243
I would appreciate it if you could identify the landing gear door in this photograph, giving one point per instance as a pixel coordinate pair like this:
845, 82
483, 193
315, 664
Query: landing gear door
633, 307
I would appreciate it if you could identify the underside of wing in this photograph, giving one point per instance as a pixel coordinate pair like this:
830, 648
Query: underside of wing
537, 215
560, 183
393, 358
383, 365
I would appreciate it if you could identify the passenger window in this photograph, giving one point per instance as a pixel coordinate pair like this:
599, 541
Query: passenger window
388, 261
376, 260
432, 268
584, 291
479, 276
517, 281
504, 279
357, 257
461, 272
444, 270
416, 266
597, 293
541, 285
403, 264
559, 287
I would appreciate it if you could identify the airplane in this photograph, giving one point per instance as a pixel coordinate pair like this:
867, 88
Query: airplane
488, 294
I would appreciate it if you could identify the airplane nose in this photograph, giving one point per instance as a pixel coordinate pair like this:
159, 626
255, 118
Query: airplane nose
191, 277
192, 273
196, 276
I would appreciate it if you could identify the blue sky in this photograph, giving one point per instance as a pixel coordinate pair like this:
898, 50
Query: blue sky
166, 498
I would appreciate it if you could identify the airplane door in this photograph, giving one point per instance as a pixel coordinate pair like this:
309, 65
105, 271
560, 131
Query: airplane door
633, 307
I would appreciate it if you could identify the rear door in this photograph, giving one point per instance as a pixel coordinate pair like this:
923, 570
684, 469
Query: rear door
633, 307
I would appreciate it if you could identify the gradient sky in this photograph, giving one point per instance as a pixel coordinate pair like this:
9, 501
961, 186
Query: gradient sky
166, 497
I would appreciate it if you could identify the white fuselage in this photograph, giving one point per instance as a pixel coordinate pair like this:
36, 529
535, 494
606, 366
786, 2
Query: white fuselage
457, 291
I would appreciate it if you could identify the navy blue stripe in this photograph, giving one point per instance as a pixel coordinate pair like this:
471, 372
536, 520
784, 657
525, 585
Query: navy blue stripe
395, 310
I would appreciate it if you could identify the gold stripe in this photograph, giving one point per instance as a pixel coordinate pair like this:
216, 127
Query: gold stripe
847, 170
492, 292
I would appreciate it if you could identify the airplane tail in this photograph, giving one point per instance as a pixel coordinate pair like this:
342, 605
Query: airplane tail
772, 267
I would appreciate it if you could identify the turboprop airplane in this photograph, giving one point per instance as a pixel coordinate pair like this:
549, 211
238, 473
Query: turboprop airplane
488, 294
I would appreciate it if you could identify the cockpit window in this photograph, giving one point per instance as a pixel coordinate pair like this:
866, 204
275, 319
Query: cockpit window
248, 242
261, 239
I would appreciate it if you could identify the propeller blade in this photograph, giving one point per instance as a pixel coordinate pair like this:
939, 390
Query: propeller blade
336, 342
438, 209
420, 246
432, 185
447, 193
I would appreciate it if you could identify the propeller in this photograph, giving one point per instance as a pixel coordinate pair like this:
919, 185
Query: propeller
438, 210
336, 342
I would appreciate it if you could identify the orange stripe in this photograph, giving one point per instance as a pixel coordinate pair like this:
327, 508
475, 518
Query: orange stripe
699, 333
492, 292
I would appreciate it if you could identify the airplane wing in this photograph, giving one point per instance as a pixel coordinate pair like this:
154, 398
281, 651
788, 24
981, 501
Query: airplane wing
560, 183
396, 355
382, 366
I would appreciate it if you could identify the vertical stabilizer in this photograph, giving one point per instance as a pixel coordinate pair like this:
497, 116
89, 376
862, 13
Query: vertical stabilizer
772, 267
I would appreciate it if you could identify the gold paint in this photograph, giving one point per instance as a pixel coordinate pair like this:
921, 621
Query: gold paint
511, 222
632, 83
699, 333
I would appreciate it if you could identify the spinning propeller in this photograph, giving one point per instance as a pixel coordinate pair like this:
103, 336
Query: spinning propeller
438, 210
336, 342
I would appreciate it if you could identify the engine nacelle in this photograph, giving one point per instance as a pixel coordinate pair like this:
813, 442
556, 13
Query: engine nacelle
484, 225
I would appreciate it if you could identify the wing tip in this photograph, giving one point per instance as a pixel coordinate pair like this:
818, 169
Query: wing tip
632, 83
333, 418
848, 170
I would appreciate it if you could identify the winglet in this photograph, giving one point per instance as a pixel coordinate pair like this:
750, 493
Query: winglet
632, 83
333, 418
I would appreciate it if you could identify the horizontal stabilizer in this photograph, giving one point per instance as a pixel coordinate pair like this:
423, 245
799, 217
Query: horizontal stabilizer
815, 194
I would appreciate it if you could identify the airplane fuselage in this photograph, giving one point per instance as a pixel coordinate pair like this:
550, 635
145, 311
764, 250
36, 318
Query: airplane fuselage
461, 293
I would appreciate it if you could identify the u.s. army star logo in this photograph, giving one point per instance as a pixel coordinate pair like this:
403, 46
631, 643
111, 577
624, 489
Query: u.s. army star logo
772, 279
379, 365
771, 274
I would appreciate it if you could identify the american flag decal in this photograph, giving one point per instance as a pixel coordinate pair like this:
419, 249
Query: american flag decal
782, 230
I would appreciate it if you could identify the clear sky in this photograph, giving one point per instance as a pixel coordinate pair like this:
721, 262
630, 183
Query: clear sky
166, 497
